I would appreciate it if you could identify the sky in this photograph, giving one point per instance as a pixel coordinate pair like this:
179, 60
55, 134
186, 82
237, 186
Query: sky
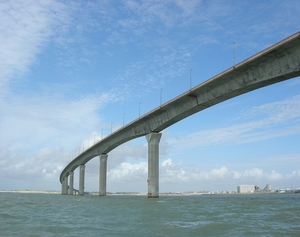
72, 72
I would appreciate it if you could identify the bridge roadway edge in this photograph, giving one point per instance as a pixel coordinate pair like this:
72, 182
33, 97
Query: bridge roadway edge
277, 63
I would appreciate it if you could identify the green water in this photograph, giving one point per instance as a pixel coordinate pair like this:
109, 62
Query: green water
216, 215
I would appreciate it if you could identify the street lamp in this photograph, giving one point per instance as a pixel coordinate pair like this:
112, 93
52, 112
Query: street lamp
191, 79
233, 52
160, 96
140, 110
123, 118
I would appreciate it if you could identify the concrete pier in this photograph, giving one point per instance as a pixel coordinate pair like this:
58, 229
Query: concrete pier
71, 187
64, 186
153, 164
81, 180
102, 174
62, 189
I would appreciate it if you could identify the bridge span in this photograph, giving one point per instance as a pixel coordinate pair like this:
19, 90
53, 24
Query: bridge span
276, 63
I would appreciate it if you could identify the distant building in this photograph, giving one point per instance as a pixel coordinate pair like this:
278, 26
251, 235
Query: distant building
245, 188
268, 188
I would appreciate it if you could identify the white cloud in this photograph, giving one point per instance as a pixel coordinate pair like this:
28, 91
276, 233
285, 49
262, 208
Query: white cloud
189, 7
26, 27
294, 174
53, 118
171, 172
128, 172
253, 173
44, 166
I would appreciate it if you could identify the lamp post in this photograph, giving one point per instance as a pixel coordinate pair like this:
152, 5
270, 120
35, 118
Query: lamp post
233, 52
123, 119
160, 96
191, 79
139, 109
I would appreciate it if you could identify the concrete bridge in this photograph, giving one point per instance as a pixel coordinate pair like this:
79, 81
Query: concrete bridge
274, 64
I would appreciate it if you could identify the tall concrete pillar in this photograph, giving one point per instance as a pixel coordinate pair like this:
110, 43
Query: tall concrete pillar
81, 180
153, 164
102, 175
64, 186
71, 177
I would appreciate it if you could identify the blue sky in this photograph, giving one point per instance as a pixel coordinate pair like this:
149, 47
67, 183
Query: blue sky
72, 71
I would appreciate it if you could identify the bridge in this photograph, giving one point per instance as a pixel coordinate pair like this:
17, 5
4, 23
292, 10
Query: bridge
276, 63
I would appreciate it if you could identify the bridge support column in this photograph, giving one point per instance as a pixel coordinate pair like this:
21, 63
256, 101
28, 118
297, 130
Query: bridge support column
71, 177
102, 174
64, 186
153, 164
81, 180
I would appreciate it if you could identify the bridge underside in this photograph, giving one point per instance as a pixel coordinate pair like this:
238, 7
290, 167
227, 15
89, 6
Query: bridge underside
275, 64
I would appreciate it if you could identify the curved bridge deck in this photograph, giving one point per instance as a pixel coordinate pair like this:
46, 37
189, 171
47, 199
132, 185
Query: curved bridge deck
274, 64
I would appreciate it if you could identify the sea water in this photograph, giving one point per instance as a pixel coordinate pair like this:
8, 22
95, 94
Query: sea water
124, 215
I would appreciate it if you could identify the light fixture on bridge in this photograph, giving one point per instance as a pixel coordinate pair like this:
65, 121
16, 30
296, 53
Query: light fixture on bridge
140, 110
161, 96
233, 52
191, 79
123, 118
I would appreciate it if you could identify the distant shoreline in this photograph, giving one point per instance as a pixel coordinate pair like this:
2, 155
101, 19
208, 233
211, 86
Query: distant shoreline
31, 191
139, 194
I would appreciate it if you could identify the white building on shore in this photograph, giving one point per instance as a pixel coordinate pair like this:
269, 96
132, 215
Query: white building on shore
246, 188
